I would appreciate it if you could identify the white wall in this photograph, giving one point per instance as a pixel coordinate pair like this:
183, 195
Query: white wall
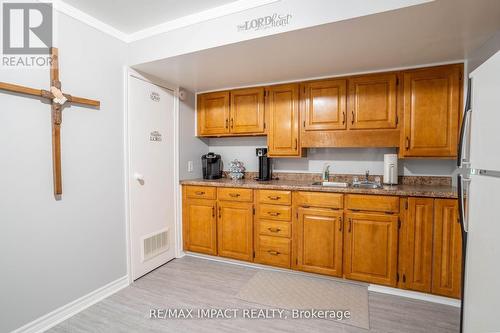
342, 160
53, 252
190, 147
223, 30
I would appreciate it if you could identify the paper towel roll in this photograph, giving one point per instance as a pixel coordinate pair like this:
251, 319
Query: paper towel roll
390, 169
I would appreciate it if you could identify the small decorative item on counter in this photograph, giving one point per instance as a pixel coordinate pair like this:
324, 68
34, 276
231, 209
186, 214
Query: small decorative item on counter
236, 170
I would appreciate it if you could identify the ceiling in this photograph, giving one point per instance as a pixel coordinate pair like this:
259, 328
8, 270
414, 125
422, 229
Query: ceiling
439, 31
130, 16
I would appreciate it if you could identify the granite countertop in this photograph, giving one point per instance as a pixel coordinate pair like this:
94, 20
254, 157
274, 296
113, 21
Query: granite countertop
433, 191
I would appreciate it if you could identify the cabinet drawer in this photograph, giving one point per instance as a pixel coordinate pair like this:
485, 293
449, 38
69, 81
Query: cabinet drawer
275, 212
200, 192
273, 251
318, 199
274, 197
275, 228
235, 194
374, 203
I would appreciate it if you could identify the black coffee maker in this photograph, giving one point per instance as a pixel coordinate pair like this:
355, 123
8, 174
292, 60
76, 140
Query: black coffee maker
212, 166
265, 172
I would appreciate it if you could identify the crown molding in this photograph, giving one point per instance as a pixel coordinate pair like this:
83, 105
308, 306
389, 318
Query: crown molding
206, 15
181, 22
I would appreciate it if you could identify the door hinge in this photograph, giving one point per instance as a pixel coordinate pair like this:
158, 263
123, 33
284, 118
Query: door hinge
253, 210
397, 277
404, 278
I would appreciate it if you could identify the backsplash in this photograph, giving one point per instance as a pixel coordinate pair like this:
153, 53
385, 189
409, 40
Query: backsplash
342, 160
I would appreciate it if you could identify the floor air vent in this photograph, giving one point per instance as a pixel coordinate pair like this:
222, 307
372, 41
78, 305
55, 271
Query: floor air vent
154, 245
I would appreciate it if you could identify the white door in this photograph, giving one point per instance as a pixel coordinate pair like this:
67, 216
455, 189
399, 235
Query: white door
151, 175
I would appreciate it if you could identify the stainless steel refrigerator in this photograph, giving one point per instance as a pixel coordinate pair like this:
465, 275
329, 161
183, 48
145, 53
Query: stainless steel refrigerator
479, 199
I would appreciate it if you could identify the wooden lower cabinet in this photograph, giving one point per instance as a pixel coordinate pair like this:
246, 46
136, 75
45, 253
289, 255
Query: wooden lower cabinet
447, 249
412, 243
371, 245
319, 241
416, 245
234, 230
199, 225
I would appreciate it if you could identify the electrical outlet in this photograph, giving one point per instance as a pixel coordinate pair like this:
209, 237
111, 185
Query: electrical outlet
190, 166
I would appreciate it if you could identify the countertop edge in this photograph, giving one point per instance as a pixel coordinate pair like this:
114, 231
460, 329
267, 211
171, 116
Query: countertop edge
400, 190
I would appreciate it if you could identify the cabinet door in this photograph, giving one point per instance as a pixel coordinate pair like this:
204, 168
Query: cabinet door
213, 113
447, 252
234, 230
372, 102
283, 133
319, 248
418, 252
431, 103
371, 247
247, 111
324, 105
199, 222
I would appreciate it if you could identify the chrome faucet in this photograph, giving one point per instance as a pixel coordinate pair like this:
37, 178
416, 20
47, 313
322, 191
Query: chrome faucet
326, 173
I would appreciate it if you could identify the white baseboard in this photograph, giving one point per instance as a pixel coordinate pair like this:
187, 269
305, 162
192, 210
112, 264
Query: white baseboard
64, 312
415, 295
371, 287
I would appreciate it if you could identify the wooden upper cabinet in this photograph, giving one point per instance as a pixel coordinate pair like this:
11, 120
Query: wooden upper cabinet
282, 104
372, 101
213, 113
417, 259
319, 248
370, 247
199, 225
432, 105
247, 111
447, 249
324, 105
235, 230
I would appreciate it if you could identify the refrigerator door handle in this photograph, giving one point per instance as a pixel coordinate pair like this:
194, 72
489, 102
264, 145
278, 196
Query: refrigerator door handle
463, 189
461, 159
463, 129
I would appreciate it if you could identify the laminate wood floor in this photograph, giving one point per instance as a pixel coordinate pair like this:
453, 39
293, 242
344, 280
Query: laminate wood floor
192, 282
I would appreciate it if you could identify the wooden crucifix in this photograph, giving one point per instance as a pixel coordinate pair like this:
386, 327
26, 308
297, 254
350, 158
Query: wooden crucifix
58, 101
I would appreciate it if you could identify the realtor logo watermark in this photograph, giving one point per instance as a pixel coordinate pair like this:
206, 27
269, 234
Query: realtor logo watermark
27, 33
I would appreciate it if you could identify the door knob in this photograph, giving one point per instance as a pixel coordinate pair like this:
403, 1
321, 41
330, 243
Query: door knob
139, 177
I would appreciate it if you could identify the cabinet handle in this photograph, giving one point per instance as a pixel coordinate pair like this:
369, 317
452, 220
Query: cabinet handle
227, 123
234, 195
273, 197
407, 145
220, 213
340, 224
352, 120
343, 118
350, 225
232, 122
199, 192
296, 144
274, 213
273, 253
274, 229
213, 211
